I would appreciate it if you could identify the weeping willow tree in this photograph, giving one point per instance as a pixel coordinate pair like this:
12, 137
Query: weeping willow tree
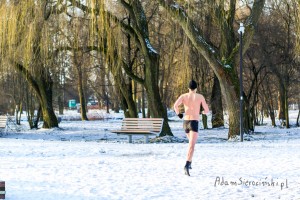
106, 37
25, 44
224, 58
103, 43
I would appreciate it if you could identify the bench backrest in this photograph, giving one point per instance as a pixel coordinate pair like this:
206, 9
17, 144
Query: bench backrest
142, 124
3, 121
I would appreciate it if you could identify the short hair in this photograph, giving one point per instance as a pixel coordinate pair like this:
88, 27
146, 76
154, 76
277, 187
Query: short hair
192, 85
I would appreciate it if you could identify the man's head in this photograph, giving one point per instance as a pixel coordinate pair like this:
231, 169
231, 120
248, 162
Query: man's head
192, 85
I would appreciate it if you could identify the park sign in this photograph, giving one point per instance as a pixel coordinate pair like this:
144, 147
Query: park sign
72, 104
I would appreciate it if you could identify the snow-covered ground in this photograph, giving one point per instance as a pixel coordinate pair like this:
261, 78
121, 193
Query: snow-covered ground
84, 160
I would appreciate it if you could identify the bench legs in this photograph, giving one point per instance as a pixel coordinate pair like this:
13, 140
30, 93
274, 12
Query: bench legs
130, 138
146, 138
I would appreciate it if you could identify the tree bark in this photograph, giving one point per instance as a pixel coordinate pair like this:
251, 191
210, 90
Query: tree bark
297, 121
286, 108
281, 105
127, 85
272, 115
217, 118
204, 121
129, 104
60, 105
157, 110
269, 102
143, 103
37, 119
45, 98
80, 88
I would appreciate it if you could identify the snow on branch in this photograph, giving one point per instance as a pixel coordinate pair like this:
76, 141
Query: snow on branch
149, 46
209, 47
179, 8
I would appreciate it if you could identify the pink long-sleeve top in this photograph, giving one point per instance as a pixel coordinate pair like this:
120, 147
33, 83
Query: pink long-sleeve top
192, 102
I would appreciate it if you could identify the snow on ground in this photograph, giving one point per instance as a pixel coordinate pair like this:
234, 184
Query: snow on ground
84, 160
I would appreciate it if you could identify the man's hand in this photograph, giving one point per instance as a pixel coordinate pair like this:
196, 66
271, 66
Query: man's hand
180, 115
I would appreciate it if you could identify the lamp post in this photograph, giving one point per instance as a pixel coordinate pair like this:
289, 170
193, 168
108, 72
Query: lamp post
241, 32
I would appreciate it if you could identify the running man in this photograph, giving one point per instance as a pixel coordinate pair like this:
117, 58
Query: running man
192, 103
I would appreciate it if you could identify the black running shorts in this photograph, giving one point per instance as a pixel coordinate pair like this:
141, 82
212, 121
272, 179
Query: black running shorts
190, 125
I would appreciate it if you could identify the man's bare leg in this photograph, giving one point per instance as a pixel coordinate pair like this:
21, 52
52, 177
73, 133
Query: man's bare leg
188, 136
193, 136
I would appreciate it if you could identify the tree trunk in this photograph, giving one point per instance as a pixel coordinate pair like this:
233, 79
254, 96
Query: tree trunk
272, 115
269, 102
42, 85
286, 108
129, 105
80, 87
18, 122
107, 103
204, 121
125, 83
232, 102
143, 103
217, 118
139, 105
18, 110
45, 98
297, 121
116, 107
82, 100
37, 119
298, 117
60, 105
281, 106
30, 108
249, 119
154, 100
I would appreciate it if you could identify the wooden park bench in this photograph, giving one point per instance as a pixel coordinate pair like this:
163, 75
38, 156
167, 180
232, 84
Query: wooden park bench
2, 189
3, 124
140, 126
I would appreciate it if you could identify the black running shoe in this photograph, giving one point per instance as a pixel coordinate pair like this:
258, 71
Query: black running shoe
187, 168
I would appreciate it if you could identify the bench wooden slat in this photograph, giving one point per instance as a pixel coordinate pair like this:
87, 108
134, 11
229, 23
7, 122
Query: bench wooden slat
141, 127
133, 133
3, 122
139, 130
137, 126
141, 122
142, 119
